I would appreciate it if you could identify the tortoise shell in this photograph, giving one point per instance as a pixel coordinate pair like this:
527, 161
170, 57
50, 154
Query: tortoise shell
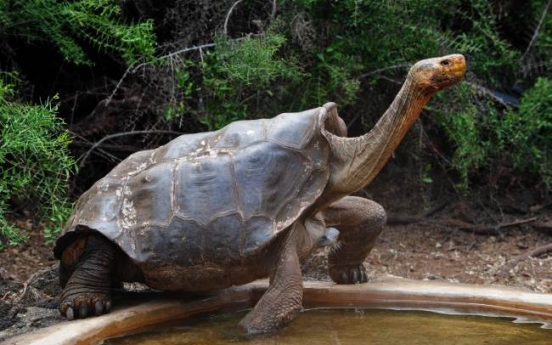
215, 197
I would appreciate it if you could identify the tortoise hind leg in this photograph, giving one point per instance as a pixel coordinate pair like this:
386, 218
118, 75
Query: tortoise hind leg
359, 222
86, 272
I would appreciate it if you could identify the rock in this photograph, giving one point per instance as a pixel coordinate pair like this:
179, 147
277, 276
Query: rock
42, 289
29, 306
9, 288
9, 285
7, 316
27, 320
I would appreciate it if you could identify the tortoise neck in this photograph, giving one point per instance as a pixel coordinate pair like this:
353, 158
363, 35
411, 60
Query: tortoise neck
366, 155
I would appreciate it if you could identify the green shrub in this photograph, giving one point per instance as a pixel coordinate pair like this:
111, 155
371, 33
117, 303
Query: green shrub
35, 164
34, 158
68, 24
501, 141
231, 78
357, 52
526, 132
461, 121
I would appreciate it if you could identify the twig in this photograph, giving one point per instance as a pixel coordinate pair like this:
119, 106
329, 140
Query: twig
228, 16
133, 68
436, 208
536, 33
483, 229
379, 70
110, 147
488, 93
531, 253
22, 293
90, 144
539, 250
403, 220
186, 50
117, 135
537, 208
545, 226
274, 8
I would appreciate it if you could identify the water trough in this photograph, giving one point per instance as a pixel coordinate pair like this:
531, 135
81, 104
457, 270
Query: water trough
385, 293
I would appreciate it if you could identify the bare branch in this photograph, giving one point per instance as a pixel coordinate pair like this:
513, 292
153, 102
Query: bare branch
106, 154
536, 33
484, 91
133, 68
274, 8
228, 16
481, 229
186, 50
117, 135
531, 253
379, 70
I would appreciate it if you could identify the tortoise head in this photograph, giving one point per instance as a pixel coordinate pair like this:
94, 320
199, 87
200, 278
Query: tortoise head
435, 74
358, 160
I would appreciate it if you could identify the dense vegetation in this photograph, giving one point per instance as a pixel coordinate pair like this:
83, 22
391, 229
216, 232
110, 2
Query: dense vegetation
96, 81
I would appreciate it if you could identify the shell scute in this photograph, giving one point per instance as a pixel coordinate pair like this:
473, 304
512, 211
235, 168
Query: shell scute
241, 133
99, 207
186, 243
293, 129
260, 170
134, 163
185, 145
204, 188
209, 199
223, 239
257, 232
182, 240
145, 243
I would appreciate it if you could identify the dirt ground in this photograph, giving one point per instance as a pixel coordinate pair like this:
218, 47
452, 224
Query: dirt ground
428, 252
455, 241
433, 249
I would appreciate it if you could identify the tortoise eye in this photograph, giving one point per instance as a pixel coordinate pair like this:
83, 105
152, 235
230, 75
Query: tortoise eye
445, 62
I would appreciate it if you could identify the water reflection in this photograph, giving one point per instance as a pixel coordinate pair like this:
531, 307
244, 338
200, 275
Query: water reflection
348, 327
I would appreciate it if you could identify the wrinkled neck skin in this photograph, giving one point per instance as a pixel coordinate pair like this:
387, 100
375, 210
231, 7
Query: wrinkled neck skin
358, 160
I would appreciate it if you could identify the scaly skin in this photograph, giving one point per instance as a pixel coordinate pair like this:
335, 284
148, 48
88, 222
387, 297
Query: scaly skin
359, 222
91, 265
281, 303
87, 290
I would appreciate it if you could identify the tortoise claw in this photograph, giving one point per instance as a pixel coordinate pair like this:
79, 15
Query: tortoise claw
80, 308
355, 275
348, 274
98, 308
69, 314
83, 311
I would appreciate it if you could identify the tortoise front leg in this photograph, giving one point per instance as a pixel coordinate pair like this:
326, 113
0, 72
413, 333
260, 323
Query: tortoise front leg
359, 222
282, 301
87, 290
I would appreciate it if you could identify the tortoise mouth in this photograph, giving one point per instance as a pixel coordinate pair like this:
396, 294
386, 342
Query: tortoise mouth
455, 69
460, 71
457, 64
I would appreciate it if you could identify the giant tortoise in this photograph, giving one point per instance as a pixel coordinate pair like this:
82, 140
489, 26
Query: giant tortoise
211, 210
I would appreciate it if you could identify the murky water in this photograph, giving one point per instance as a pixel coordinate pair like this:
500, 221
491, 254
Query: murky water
347, 326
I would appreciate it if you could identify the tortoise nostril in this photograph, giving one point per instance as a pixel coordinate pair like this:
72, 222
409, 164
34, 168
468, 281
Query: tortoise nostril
445, 62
